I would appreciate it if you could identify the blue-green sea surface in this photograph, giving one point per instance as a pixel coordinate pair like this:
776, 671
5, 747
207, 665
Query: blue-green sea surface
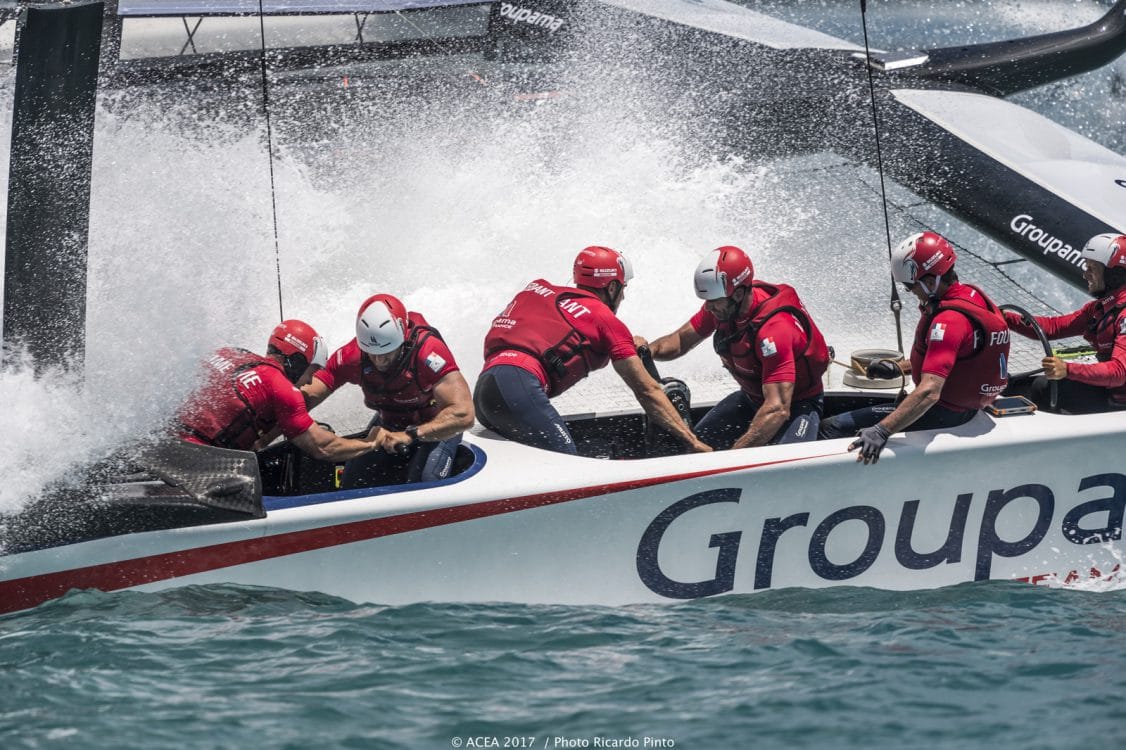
993, 665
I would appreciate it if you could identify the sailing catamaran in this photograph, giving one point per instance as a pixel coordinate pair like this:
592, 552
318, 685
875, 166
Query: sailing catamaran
629, 520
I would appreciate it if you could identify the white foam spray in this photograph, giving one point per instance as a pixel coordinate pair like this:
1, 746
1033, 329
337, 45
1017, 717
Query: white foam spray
454, 208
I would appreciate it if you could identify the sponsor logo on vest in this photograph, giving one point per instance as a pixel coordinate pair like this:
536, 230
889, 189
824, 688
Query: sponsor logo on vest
531, 17
973, 541
574, 307
221, 363
538, 289
1025, 226
248, 379
503, 323
999, 337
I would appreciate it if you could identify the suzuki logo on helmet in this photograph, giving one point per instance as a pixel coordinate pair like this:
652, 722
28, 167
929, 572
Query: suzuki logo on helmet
301, 345
932, 260
741, 277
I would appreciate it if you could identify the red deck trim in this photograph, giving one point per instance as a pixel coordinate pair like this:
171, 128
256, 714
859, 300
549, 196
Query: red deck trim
24, 593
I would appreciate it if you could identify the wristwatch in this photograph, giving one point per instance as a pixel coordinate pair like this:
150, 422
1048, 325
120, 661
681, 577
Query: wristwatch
412, 433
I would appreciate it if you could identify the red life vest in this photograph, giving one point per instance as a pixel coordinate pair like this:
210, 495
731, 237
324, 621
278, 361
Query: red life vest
734, 342
534, 324
1107, 323
980, 376
1103, 328
396, 394
218, 413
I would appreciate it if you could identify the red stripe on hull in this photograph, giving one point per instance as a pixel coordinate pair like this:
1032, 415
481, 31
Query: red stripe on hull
24, 593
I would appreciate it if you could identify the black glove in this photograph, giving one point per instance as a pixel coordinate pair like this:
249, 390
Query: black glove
870, 441
883, 369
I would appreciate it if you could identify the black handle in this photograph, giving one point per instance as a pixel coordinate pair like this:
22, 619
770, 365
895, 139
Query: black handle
647, 362
1028, 320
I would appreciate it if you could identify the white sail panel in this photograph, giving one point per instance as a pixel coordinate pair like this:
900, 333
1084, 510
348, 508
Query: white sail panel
1082, 172
733, 20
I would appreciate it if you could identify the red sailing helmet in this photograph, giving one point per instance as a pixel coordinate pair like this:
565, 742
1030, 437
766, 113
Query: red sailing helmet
597, 266
722, 271
1108, 249
300, 345
381, 324
921, 254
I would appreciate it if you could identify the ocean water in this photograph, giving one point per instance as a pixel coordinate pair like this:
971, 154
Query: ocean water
454, 212
995, 665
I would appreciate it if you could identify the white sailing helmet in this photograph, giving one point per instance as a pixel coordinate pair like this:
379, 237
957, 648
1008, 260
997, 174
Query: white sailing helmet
722, 271
381, 324
1108, 249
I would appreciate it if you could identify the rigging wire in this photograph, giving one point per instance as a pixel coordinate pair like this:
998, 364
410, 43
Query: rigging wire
896, 305
270, 138
905, 214
270, 154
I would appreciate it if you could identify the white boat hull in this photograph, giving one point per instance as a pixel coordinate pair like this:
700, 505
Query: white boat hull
1028, 497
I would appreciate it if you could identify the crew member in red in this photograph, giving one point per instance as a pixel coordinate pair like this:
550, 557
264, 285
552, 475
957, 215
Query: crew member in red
1099, 386
409, 377
959, 360
767, 341
551, 337
245, 397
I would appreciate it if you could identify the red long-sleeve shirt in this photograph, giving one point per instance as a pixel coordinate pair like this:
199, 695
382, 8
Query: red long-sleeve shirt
1102, 323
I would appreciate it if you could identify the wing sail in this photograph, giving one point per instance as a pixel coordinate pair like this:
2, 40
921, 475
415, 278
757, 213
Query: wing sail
1028, 182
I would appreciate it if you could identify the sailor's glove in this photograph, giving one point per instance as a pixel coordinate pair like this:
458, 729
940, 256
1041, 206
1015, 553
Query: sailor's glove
883, 369
870, 441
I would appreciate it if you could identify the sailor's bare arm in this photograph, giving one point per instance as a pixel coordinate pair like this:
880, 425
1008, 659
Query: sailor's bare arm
675, 344
655, 403
770, 417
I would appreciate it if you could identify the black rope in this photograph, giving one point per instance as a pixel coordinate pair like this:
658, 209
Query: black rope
896, 305
270, 154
